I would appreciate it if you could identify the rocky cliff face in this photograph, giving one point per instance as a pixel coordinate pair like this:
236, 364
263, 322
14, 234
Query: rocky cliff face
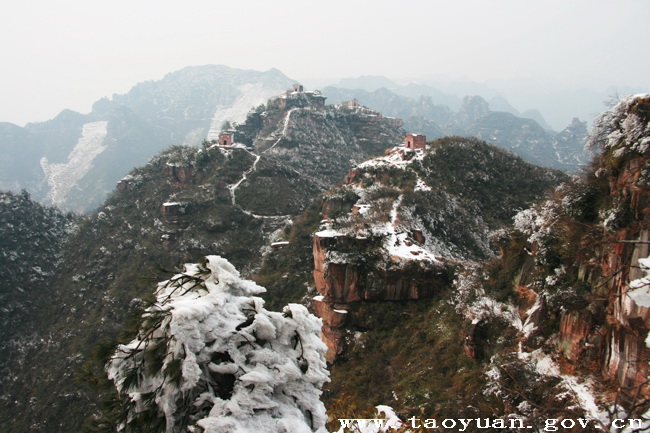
578, 266
623, 135
622, 340
343, 283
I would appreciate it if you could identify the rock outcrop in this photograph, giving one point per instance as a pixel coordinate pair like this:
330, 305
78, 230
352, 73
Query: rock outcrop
603, 327
347, 281
625, 354
358, 275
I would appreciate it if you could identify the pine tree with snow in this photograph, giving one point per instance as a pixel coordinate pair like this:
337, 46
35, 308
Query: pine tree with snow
208, 357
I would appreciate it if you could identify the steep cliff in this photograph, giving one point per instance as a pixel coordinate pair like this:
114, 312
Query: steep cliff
572, 279
624, 137
549, 323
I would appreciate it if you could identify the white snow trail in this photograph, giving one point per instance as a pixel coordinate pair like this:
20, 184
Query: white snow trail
234, 186
284, 128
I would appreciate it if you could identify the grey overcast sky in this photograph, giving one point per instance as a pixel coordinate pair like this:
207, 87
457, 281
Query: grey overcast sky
69, 53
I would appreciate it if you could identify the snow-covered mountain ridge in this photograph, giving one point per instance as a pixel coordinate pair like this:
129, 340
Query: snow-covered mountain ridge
399, 225
188, 105
476, 118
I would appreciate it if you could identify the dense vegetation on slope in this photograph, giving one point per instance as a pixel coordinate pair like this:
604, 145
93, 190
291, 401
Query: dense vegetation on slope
31, 249
33, 239
175, 208
455, 194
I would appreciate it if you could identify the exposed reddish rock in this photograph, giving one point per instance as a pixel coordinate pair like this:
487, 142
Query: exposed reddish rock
574, 330
418, 236
469, 346
621, 341
627, 185
625, 354
332, 317
343, 284
181, 176
333, 338
626, 357
335, 281
347, 282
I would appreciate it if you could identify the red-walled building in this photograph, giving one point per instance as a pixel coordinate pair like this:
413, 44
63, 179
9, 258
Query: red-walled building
225, 139
415, 141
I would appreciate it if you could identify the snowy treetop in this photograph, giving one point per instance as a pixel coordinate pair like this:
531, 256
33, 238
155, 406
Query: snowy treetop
209, 357
625, 128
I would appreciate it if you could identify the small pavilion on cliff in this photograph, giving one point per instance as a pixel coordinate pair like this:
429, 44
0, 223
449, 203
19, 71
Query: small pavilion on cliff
225, 139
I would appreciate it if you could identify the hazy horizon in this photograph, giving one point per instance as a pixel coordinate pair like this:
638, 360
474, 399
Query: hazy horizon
68, 54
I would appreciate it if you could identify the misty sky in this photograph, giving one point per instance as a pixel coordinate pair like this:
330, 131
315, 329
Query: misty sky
69, 53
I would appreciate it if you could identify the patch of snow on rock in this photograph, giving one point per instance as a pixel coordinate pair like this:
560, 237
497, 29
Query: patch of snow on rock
63, 177
640, 288
251, 95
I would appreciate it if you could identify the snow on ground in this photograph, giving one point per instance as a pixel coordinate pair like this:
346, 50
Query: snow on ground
251, 95
328, 233
285, 127
62, 177
394, 157
397, 243
421, 185
529, 325
582, 391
